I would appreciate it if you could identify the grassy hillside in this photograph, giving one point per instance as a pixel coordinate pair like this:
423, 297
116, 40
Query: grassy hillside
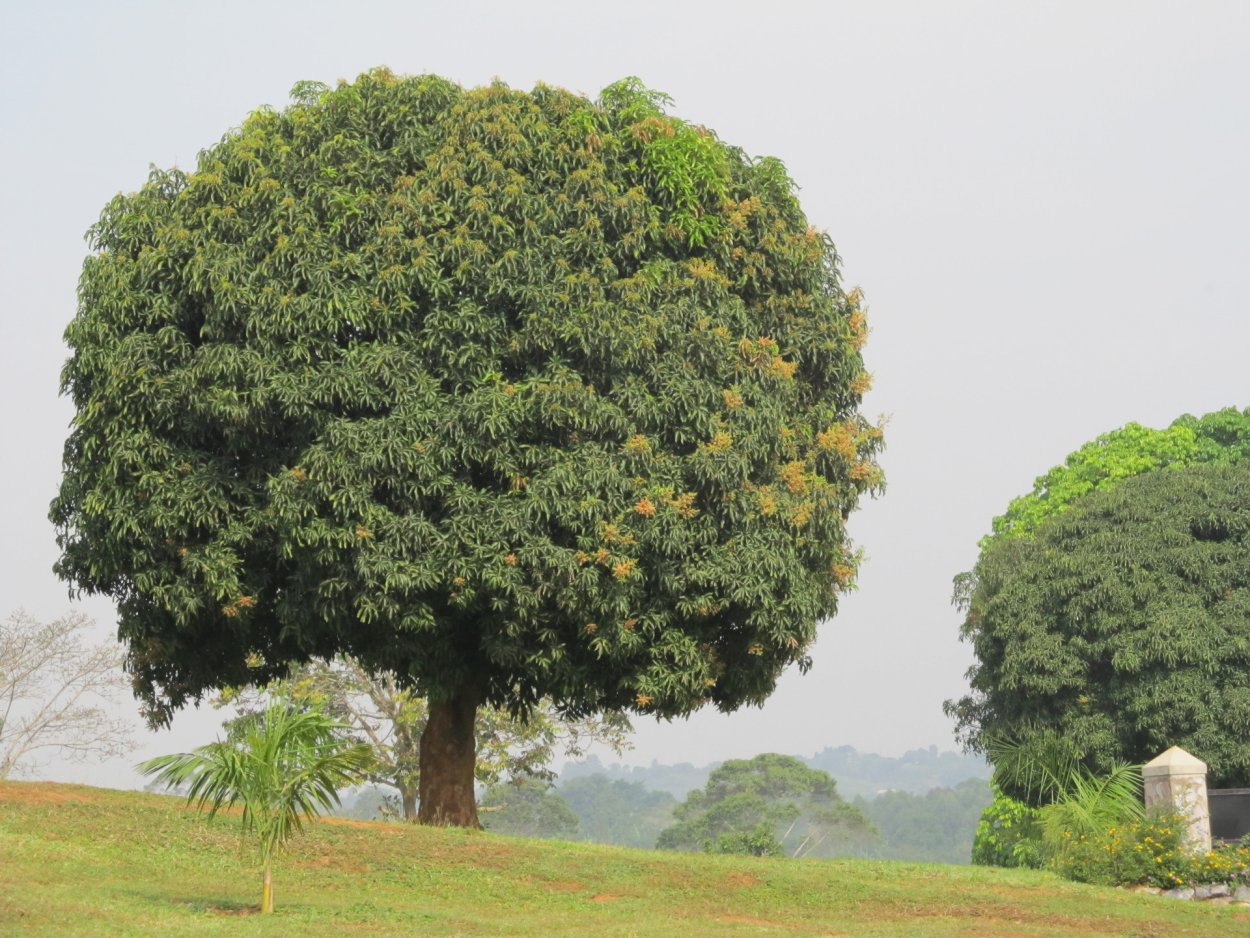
83, 862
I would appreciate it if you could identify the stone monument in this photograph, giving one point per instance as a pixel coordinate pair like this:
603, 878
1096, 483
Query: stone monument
1176, 781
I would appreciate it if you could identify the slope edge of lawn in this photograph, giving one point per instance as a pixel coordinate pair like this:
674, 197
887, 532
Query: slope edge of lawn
91, 861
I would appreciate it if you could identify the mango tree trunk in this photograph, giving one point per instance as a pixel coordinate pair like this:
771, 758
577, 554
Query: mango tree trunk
448, 757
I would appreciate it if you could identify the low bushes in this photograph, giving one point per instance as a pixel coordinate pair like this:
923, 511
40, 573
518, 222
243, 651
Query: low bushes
1008, 834
1091, 827
1147, 851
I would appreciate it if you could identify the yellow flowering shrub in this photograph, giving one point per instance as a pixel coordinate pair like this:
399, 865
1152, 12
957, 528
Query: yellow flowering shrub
1150, 852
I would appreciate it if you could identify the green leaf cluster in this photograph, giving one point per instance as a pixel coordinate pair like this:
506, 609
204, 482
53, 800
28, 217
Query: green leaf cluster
1008, 834
1075, 802
519, 391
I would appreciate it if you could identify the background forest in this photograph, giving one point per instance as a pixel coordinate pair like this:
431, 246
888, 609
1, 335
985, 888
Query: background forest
924, 805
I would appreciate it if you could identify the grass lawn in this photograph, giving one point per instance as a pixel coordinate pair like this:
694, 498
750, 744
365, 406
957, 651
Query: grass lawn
81, 862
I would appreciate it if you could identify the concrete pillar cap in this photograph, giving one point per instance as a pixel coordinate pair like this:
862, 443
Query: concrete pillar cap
1176, 761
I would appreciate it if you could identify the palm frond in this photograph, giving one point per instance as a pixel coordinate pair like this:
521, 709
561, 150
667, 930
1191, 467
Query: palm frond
283, 766
1039, 764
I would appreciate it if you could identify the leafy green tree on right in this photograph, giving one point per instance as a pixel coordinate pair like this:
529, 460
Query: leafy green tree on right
1118, 619
1222, 436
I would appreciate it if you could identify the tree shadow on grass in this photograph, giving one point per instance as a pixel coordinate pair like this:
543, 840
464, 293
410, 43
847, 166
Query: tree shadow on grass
218, 906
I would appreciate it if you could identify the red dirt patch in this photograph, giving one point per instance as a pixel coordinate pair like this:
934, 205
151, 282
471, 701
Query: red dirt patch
320, 863
370, 825
47, 793
564, 885
603, 897
327, 862
741, 880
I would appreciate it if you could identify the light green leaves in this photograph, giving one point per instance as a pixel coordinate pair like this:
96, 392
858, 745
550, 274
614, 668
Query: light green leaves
1221, 436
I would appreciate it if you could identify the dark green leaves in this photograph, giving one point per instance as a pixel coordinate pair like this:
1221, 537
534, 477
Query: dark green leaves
1121, 625
556, 394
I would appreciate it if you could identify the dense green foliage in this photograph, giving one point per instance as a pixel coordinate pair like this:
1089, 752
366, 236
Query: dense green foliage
1121, 626
771, 805
284, 766
1150, 851
527, 807
512, 395
612, 811
1008, 834
1068, 807
936, 827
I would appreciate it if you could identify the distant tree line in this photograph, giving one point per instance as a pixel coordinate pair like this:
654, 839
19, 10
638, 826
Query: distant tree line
865, 774
770, 805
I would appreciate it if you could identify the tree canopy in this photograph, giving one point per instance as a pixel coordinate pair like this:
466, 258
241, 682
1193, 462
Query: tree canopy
1121, 626
1222, 436
512, 395
772, 805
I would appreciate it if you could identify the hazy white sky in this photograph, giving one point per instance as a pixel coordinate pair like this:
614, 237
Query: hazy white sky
1047, 206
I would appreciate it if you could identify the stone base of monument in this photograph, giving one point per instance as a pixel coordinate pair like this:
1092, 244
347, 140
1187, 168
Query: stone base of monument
1217, 893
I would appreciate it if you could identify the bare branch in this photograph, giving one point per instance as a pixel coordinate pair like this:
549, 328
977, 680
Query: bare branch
49, 681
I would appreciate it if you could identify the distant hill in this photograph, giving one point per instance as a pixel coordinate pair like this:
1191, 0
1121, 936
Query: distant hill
858, 773
924, 803
919, 771
936, 827
678, 780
